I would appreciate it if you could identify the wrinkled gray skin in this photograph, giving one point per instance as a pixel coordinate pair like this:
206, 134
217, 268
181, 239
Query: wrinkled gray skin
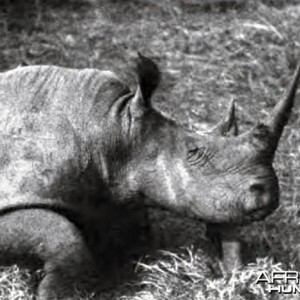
225, 236
74, 142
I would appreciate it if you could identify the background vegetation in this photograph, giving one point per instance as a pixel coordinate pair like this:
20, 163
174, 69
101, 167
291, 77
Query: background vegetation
209, 52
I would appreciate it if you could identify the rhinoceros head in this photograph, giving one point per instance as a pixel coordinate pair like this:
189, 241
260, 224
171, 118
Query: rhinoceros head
215, 176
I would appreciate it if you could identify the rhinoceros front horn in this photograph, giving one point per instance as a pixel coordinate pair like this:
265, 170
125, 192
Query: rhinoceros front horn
227, 125
279, 116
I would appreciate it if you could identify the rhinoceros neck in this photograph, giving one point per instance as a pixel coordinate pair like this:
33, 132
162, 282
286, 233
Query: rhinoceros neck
77, 94
49, 117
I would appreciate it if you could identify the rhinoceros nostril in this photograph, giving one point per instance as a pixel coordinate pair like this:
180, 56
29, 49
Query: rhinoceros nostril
258, 188
258, 197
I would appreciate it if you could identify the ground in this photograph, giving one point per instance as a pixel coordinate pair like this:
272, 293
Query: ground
208, 54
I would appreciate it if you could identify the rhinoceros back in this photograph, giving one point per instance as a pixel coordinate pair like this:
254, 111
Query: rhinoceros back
44, 114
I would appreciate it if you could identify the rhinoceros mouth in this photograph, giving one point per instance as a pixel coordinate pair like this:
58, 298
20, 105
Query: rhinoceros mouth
261, 213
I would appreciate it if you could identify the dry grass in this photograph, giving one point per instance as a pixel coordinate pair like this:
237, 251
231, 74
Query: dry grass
16, 284
207, 58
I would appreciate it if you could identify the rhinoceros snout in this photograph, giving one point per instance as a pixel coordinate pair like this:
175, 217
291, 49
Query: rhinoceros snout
263, 199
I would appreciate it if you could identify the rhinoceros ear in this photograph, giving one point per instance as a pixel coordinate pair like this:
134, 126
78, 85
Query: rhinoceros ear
148, 77
228, 125
138, 105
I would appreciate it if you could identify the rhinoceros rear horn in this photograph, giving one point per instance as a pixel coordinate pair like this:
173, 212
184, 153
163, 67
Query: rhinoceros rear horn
148, 77
279, 116
228, 125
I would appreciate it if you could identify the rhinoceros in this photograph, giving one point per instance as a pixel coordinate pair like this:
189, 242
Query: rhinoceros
78, 144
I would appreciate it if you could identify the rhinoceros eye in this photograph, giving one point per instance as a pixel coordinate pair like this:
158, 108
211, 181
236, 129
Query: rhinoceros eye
195, 154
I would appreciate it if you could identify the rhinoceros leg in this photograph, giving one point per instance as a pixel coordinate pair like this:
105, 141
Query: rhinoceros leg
229, 247
48, 237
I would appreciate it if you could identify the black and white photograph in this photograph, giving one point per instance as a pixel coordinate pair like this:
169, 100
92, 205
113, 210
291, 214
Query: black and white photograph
149, 150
